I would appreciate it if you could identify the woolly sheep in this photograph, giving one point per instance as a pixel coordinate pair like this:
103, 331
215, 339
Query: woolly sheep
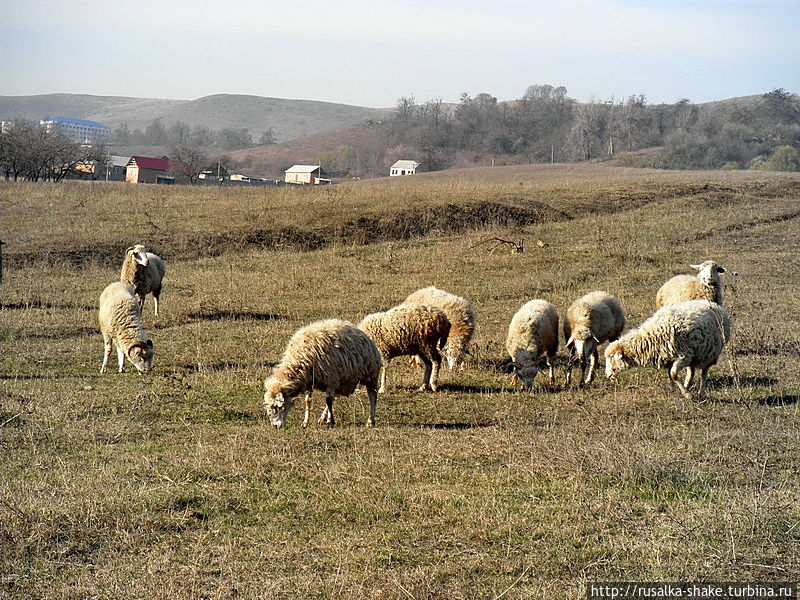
144, 271
691, 334
461, 315
332, 356
706, 285
533, 332
592, 319
409, 330
121, 326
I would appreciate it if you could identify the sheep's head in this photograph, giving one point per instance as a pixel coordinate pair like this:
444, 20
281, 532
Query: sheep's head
139, 254
709, 272
582, 345
276, 404
141, 356
524, 375
616, 360
455, 353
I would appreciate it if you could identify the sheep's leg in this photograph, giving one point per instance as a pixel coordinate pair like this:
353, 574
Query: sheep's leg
323, 416
140, 297
703, 378
677, 365
688, 380
426, 378
156, 296
108, 349
121, 359
383, 379
551, 374
680, 363
372, 392
308, 409
570, 366
437, 366
329, 405
592, 367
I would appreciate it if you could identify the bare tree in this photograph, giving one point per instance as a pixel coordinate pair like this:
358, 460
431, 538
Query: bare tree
188, 161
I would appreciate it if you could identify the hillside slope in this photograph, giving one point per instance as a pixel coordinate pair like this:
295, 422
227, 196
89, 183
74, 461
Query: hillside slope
289, 118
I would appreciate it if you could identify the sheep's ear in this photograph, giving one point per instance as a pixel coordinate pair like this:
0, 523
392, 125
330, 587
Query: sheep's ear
720, 269
150, 344
129, 250
698, 267
136, 346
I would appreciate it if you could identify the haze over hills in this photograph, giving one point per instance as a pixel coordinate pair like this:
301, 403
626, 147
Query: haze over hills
289, 119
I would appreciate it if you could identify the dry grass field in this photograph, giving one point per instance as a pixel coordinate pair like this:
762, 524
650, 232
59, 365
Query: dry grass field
173, 485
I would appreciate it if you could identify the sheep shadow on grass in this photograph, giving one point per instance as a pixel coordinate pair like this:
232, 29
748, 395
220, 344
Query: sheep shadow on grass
779, 400
234, 315
36, 303
728, 381
470, 389
459, 426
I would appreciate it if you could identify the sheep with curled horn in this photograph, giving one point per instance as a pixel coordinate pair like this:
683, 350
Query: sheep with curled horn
144, 271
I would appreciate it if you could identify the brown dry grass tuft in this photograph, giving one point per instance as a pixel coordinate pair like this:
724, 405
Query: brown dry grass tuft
174, 485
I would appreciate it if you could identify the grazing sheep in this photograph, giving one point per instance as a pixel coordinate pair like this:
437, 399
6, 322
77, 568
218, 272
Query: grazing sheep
461, 315
332, 356
691, 334
144, 271
533, 332
409, 330
592, 319
121, 325
706, 285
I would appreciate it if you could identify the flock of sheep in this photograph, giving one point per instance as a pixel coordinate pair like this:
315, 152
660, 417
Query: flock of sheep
689, 330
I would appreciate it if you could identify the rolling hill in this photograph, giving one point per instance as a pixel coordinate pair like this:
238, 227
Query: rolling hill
290, 119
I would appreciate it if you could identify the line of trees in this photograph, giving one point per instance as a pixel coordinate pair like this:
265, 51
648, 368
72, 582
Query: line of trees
183, 134
545, 125
28, 151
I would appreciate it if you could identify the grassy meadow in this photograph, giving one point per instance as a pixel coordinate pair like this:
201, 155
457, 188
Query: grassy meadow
174, 485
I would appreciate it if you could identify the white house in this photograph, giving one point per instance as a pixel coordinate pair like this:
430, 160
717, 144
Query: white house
404, 167
306, 174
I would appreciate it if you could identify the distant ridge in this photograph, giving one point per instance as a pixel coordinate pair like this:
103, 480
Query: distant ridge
289, 119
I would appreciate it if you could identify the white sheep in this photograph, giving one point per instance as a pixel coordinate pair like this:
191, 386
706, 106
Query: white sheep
121, 326
692, 334
332, 356
144, 271
706, 285
533, 333
592, 320
461, 315
410, 330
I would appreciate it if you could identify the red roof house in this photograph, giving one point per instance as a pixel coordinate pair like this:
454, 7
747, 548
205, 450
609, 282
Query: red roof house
144, 169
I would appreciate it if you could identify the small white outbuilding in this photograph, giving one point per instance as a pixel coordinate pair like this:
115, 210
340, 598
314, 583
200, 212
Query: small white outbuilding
403, 167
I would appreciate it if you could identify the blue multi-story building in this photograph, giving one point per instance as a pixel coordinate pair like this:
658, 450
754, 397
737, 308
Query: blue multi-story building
78, 130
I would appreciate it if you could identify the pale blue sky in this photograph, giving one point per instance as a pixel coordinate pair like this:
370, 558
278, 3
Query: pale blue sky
371, 52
